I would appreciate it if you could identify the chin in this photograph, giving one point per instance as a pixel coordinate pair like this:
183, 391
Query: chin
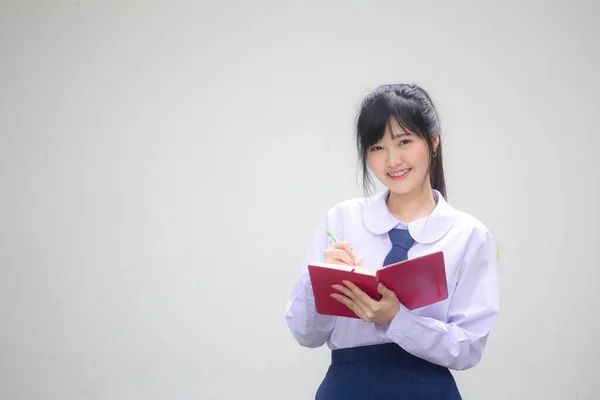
400, 191
400, 188
409, 185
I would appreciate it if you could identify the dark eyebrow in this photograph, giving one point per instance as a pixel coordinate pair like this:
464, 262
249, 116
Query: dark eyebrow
400, 135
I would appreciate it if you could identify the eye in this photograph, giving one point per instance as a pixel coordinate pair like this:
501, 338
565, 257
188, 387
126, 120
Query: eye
375, 148
404, 142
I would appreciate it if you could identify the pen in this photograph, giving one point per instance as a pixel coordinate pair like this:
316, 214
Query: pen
333, 239
332, 236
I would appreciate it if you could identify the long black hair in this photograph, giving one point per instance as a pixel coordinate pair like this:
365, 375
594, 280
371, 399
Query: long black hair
414, 111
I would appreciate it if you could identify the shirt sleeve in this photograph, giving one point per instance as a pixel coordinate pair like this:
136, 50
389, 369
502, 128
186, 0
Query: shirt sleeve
308, 327
474, 306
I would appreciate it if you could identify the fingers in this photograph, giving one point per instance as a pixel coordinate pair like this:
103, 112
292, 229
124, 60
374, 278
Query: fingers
337, 256
351, 305
356, 297
346, 247
366, 308
340, 253
356, 294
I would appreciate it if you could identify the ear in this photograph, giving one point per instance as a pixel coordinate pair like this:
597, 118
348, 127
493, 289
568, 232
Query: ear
436, 142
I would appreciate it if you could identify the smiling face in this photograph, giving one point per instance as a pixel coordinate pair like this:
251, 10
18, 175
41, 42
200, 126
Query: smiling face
401, 160
398, 141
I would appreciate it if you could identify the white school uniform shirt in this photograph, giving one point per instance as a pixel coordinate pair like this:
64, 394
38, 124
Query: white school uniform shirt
451, 333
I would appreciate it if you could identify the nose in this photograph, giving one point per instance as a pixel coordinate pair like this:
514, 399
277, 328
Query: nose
393, 158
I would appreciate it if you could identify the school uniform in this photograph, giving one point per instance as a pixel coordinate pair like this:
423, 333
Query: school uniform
411, 357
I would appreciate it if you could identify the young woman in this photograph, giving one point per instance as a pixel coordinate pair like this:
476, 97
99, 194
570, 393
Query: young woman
391, 352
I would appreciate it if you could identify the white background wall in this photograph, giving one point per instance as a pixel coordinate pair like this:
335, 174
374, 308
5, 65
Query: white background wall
158, 197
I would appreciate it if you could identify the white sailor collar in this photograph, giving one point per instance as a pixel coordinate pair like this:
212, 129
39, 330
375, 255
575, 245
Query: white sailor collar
379, 220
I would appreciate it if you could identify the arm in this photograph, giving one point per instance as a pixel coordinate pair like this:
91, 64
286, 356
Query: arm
473, 309
308, 327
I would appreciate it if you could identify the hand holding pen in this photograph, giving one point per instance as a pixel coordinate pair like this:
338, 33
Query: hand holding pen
340, 252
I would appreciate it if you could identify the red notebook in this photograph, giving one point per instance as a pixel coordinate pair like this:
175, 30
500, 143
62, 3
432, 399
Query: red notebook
417, 282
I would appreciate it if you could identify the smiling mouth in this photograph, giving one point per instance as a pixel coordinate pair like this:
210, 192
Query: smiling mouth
397, 175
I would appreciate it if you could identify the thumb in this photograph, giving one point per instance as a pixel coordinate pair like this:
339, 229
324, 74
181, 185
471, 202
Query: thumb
385, 292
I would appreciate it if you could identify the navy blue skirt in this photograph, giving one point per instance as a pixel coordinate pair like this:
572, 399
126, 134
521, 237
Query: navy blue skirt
385, 372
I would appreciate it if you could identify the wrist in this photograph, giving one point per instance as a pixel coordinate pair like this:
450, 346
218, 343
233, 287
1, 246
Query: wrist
393, 312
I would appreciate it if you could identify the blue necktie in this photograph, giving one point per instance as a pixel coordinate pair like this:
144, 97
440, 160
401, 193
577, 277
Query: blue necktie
401, 242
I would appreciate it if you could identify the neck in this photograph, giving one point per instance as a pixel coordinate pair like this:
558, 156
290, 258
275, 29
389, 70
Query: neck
409, 207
